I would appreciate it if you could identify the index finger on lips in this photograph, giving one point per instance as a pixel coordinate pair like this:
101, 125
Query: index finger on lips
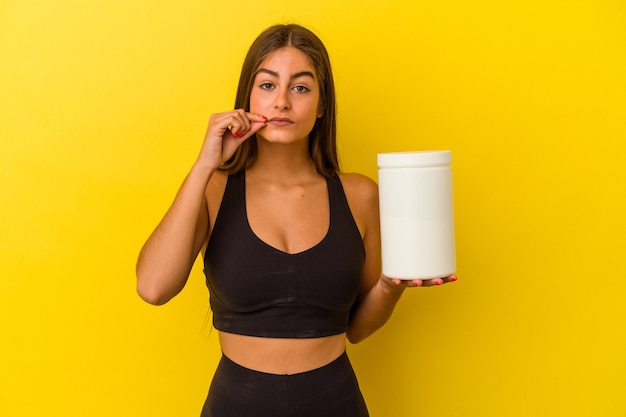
254, 123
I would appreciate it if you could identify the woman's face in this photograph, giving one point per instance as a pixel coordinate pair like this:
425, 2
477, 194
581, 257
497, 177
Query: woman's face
286, 91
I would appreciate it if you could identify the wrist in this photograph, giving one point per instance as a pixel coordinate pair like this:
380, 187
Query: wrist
203, 168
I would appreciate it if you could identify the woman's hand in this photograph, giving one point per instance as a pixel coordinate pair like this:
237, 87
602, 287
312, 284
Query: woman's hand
410, 283
226, 131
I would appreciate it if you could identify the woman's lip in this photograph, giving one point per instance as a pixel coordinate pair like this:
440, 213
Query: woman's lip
280, 121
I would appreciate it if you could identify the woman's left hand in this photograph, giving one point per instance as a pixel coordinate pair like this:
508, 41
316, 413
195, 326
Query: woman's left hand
411, 283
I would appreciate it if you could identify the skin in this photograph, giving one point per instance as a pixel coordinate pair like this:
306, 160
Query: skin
284, 105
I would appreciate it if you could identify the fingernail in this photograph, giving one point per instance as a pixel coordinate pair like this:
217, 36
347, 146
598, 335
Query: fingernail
453, 278
264, 117
438, 282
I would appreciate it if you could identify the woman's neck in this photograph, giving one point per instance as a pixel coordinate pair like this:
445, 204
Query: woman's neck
284, 163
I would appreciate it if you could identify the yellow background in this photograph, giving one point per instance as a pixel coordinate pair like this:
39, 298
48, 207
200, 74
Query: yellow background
103, 106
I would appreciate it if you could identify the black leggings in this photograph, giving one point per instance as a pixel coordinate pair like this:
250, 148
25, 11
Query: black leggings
329, 391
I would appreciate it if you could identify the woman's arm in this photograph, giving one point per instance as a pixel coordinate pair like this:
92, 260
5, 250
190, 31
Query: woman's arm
167, 257
379, 294
376, 300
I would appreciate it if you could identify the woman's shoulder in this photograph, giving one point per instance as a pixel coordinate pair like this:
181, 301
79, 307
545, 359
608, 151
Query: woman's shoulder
358, 183
217, 182
215, 191
359, 189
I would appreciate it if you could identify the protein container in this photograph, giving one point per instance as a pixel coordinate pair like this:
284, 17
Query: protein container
416, 214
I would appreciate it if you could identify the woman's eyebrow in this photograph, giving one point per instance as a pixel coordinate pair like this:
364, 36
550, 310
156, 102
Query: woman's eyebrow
293, 76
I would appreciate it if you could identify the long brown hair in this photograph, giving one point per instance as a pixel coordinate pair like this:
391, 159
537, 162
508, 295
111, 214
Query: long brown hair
323, 136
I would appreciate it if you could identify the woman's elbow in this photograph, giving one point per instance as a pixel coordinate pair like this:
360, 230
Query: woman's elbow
151, 297
354, 338
150, 292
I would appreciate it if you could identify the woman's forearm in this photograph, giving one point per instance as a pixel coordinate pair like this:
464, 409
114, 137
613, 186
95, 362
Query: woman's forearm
373, 310
169, 253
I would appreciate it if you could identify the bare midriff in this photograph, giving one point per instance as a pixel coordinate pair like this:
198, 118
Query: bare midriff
282, 356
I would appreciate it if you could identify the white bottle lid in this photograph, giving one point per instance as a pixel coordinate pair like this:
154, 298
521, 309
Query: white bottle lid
413, 159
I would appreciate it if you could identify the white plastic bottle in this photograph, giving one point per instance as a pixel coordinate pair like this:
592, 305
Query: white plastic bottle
416, 214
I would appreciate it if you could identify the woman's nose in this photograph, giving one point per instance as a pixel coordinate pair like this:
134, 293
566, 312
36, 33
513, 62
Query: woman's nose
282, 100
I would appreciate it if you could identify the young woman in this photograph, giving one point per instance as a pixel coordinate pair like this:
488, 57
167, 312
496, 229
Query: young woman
291, 244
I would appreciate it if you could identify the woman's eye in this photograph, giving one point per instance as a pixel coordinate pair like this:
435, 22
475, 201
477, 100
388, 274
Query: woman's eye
300, 89
267, 86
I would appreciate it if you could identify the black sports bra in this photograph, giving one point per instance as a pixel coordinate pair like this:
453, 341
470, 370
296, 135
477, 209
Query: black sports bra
258, 290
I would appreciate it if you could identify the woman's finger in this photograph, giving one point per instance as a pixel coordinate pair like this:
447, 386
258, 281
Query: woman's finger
245, 124
411, 283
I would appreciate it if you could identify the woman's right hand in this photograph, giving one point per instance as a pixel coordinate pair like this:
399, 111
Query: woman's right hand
226, 131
